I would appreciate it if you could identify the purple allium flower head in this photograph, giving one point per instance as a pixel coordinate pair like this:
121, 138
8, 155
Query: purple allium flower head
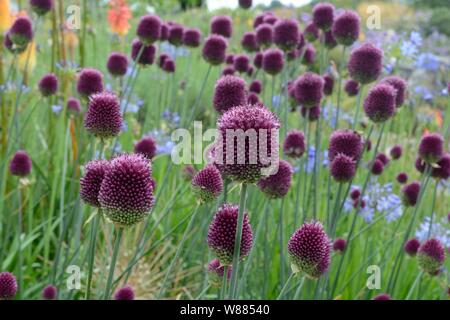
103, 117
147, 53
347, 142
241, 63
8, 286
382, 296
255, 86
90, 81
402, 177
277, 185
311, 32
162, 58
309, 89
146, 146
228, 71
191, 37
292, 55
214, 49
230, 91
257, 60
442, 168
91, 181
50, 292
411, 247
20, 164
377, 167
149, 29
164, 32
126, 192
188, 172
216, 271
248, 42
229, 59
383, 158
41, 7
250, 159
346, 27
264, 35
74, 105
253, 99
400, 86
339, 245
222, 232
355, 194
207, 184
351, 87
365, 63
245, 4
169, 66
117, 64
410, 193
328, 84
259, 19
222, 25
342, 168
311, 113
270, 18
379, 105
21, 32
420, 165
396, 152
286, 34
309, 55
431, 256
48, 85
323, 15
309, 250
431, 147
124, 293
329, 40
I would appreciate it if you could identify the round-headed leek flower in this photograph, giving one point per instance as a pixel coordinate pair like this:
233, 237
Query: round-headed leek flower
222, 25
216, 271
50, 292
230, 91
20, 164
8, 286
124, 293
103, 117
431, 256
277, 185
207, 183
431, 147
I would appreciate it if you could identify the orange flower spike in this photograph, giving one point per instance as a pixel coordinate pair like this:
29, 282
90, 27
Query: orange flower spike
119, 16
439, 118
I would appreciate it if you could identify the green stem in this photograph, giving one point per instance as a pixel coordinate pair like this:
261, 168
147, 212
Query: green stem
358, 106
286, 285
113, 262
200, 95
339, 89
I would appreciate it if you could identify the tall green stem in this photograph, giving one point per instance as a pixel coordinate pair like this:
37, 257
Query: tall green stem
112, 267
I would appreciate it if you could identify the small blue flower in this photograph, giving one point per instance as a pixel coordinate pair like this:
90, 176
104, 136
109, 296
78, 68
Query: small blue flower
428, 61
56, 108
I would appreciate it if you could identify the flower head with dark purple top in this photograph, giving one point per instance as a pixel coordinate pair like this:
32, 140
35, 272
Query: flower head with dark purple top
21, 32
169, 66
346, 27
441, 170
117, 64
50, 292
377, 167
8, 286
253, 99
191, 37
343, 168
383, 158
164, 32
222, 233
20, 164
176, 32
147, 147
246, 160
351, 87
245, 4
255, 86
207, 184
149, 29
257, 60
124, 293
286, 34
48, 85
411, 247
382, 296
339, 245
379, 104
222, 25
311, 32
323, 15
329, 40
73, 105
241, 63
273, 61
228, 71
309, 55
216, 272
402, 177
347, 142
410, 193
126, 192
103, 118
248, 42
264, 35
90, 81
214, 49
400, 87
431, 147
309, 250
147, 54
310, 113
328, 84
277, 185
396, 152
309, 89
92, 180
365, 63
230, 91
431, 256
41, 7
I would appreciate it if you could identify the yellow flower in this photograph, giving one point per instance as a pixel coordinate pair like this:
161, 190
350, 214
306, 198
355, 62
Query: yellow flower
5, 16
30, 55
